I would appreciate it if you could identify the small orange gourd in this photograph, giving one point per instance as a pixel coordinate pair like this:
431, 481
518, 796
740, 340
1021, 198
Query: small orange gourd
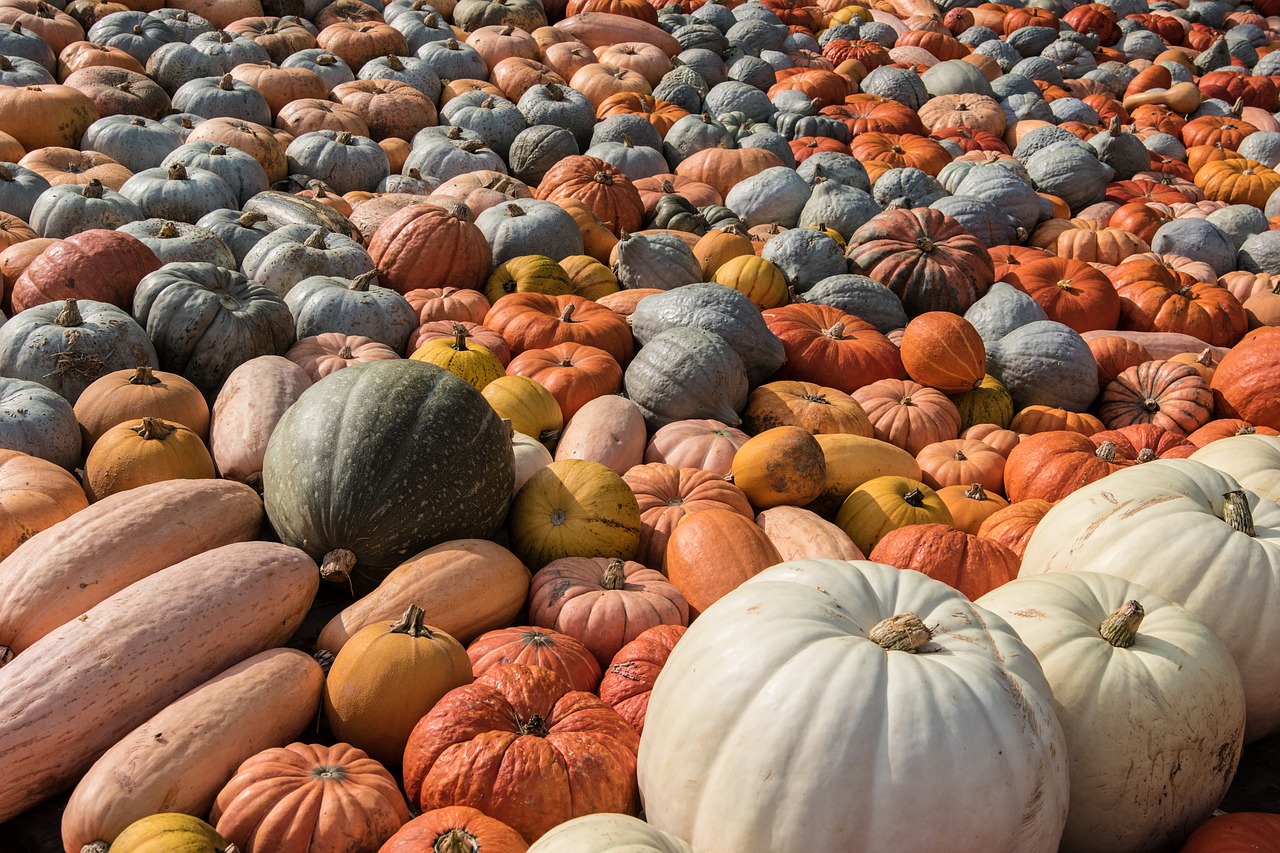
142, 452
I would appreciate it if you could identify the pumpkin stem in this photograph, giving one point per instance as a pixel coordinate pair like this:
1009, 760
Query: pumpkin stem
93, 189
1120, 629
614, 576
315, 240
1247, 429
411, 623
602, 177
1151, 405
902, 633
456, 841
959, 456
460, 334
924, 244
345, 353
250, 218
226, 83
976, 492
69, 316
143, 375
153, 429
1146, 454
6, 655
915, 498
344, 138
230, 848
337, 565
836, 332
1205, 358
1236, 512
535, 726
566, 316
394, 63
5, 174
168, 230
96, 847
1106, 451
514, 209
362, 282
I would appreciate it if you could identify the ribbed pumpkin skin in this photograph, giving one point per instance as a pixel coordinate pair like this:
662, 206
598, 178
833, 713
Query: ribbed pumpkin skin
989, 403
583, 762
76, 564
812, 407
1166, 394
1245, 385
925, 257
666, 494
1013, 525
143, 452
279, 801
127, 395
453, 829
424, 247
1240, 832
201, 748
629, 678
944, 351
385, 678
961, 560
829, 347
887, 503
219, 608
574, 508
473, 363
1070, 291
530, 645
384, 460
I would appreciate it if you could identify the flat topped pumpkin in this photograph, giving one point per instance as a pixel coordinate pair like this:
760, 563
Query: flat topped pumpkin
385, 459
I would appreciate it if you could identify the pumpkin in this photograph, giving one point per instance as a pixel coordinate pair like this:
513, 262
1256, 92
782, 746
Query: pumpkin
1155, 658
883, 504
1155, 298
1235, 833
320, 355
171, 831
471, 362
354, 800
712, 552
180, 757
1243, 386
602, 187
128, 395
1114, 354
458, 829
687, 373
334, 503
246, 411
458, 255
539, 321
629, 678
943, 351
832, 348
970, 505
386, 677
448, 303
853, 460
780, 466
1036, 419
666, 494
35, 494
1070, 291
574, 374
961, 461
907, 414
574, 508
1013, 525
707, 445
1170, 395
137, 453
989, 403
258, 592
609, 430
529, 645
539, 717
605, 603
879, 615
1214, 537
1045, 363
804, 404
97, 264
961, 560
1250, 459
529, 406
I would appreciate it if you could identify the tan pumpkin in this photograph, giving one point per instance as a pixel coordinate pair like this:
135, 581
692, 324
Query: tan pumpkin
807, 405
800, 534
705, 444
386, 677
127, 395
604, 603
853, 460
142, 452
609, 430
35, 494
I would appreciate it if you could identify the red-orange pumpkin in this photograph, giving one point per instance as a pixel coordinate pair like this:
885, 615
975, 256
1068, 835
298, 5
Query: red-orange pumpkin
629, 678
826, 346
529, 645
944, 351
969, 563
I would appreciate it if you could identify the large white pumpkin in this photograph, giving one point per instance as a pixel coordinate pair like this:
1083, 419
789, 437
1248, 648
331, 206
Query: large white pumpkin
608, 833
1253, 460
778, 725
1154, 728
1162, 525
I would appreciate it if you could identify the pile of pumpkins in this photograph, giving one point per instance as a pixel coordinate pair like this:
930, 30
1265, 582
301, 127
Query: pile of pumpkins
760, 418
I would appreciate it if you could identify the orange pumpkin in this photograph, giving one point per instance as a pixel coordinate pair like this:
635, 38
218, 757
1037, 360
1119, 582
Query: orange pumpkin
969, 563
530, 645
127, 395
907, 414
455, 829
962, 462
780, 466
944, 351
574, 373
34, 494
629, 679
149, 450
1013, 525
666, 494
1157, 299
807, 405
1070, 291
826, 346
970, 505
710, 553
1170, 395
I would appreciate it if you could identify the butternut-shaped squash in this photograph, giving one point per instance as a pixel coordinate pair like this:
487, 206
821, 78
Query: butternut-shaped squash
465, 587
853, 460
179, 759
64, 570
79, 689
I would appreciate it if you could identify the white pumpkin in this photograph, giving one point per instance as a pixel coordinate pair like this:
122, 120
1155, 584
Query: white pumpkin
1149, 698
1253, 460
608, 833
531, 456
1162, 525
778, 725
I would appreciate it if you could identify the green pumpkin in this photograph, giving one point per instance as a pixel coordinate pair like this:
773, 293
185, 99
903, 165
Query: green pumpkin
989, 403
382, 460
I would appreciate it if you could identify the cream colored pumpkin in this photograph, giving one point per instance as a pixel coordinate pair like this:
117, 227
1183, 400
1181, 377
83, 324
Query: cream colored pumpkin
608, 833
1253, 460
1169, 701
1162, 525
531, 456
777, 724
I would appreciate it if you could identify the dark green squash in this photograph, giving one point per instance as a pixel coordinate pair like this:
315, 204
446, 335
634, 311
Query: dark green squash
382, 460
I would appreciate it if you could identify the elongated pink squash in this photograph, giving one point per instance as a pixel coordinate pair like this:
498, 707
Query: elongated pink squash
79, 689
249, 405
602, 29
800, 534
465, 586
65, 569
609, 430
178, 760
